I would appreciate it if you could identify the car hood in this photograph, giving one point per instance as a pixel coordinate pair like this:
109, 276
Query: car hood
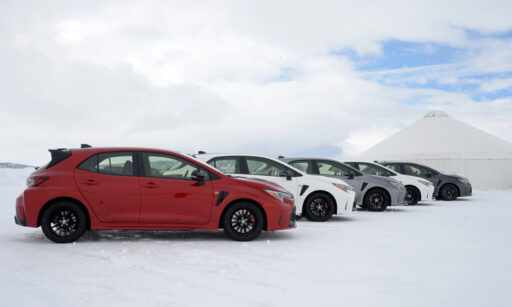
259, 183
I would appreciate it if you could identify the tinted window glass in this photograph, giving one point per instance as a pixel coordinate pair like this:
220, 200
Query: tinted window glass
374, 170
110, 163
333, 169
394, 167
116, 163
304, 166
168, 166
264, 167
415, 170
227, 165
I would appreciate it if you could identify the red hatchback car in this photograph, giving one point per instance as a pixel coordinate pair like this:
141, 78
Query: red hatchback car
136, 188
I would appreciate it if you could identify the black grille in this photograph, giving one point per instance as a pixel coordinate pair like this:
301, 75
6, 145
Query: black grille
292, 218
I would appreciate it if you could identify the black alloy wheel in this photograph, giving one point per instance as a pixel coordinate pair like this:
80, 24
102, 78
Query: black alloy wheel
449, 192
319, 207
412, 196
376, 200
243, 221
64, 222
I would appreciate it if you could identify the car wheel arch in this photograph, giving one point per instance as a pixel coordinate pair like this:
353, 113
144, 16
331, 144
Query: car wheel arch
416, 189
324, 192
453, 184
64, 199
233, 202
378, 188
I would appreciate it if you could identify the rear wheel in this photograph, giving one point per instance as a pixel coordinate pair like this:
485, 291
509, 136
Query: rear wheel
412, 195
376, 200
448, 192
243, 221
64, 222
319, 207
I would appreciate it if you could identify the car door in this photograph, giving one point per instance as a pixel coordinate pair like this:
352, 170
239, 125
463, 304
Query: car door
266, 169
169, 195
108, 182
337, 170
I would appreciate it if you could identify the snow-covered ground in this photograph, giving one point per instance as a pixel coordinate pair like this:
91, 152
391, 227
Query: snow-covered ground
433, 254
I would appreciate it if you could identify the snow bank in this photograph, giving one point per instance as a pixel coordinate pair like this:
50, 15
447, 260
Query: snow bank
433, 254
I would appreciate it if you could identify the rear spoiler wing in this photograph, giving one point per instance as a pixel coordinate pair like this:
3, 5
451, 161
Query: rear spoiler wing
58, 155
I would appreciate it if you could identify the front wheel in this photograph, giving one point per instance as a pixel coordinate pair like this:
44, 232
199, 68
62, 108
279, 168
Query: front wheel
376, 200
64, 222
319, 207
243, 221
412, 196
448, 192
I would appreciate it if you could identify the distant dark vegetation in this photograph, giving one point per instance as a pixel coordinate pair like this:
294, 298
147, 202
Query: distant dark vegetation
14, 165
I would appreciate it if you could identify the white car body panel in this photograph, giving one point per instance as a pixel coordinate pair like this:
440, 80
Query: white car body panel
344, 200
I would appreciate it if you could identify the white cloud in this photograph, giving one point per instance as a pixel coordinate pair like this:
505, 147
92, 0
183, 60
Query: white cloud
496, 84
209, 75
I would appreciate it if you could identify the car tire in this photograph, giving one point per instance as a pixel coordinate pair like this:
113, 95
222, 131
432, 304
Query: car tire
412, 195
64, 222
376, 200
448, 192
318, 207
243, 221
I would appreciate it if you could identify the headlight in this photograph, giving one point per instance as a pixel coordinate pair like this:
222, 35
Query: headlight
462, 180
427, 183
394, 184
278, 195
343, 187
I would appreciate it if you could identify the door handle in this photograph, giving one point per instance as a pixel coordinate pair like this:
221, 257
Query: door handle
91, 182
150, 185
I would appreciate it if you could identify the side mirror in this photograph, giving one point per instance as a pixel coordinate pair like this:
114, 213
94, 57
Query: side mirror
351, 175
287, 174
199, 176
428, 175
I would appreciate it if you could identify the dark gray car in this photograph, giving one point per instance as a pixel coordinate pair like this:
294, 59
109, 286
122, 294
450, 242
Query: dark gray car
372, 192
447, 187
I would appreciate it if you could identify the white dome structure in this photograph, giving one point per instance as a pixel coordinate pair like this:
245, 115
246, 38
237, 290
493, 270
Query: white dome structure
451, 146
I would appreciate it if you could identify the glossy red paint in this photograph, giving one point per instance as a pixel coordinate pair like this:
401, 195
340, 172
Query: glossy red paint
142, 202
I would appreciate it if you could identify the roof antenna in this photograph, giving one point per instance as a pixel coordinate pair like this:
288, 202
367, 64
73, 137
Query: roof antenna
281, 157
200, 152
85, 146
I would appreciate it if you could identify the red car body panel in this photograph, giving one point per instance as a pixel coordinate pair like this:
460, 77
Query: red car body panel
138, 202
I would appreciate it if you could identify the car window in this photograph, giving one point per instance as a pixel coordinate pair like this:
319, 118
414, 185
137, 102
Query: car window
264, 167
168, 166
395, 167
110, 163
304, 166
415, 170
227, 165
372, 169
333, 169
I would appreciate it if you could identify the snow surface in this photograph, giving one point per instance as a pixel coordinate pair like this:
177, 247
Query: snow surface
433, 254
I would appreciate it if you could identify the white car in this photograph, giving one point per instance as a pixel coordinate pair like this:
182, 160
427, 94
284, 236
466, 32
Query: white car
417, 189
316, 198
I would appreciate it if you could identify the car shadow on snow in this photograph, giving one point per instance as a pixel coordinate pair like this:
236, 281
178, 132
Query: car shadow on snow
172, 235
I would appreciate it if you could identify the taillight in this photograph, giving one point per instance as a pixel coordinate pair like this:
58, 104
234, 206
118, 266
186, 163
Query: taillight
34, 181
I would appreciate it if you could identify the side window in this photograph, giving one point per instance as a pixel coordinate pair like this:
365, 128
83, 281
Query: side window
264, 167
374, 170
415, 170
394, 167
116, 163
227, 165
333, 169
110, 163
168, 166
304, 166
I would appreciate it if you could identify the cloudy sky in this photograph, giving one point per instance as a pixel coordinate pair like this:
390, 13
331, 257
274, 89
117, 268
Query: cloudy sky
328, 78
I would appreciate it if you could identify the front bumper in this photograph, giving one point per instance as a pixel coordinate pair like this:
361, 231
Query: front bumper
19, 222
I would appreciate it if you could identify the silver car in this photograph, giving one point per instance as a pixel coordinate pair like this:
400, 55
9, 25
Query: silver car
372, 192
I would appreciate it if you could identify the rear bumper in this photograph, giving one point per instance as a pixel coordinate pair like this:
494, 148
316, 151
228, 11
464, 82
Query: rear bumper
19, 222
